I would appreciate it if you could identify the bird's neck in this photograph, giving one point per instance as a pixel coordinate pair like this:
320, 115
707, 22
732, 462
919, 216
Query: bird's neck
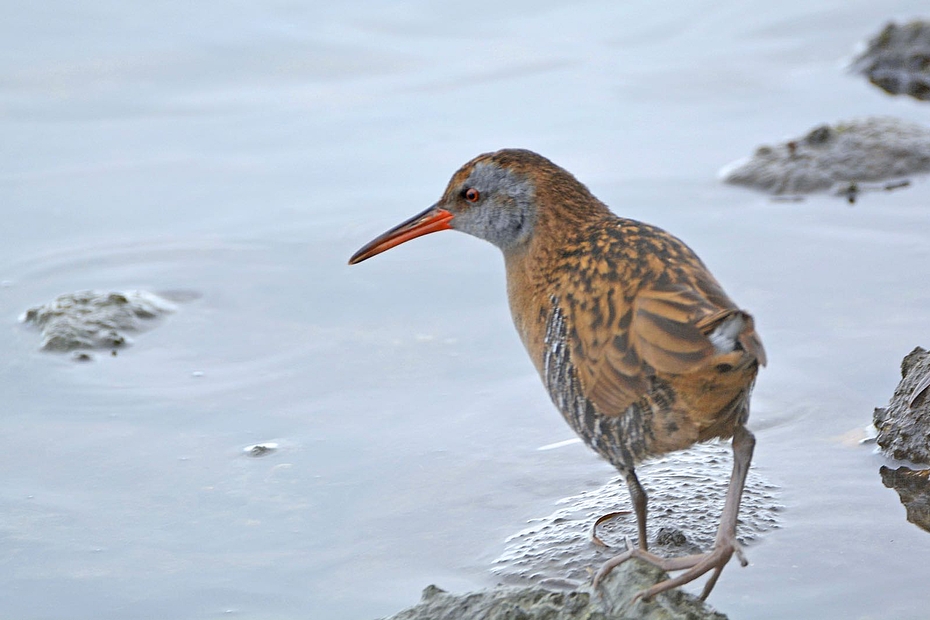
523, 295
530, 291
534, 277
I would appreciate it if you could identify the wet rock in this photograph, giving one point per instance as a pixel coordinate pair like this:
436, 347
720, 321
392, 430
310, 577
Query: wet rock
671, 537
904, 425
260, 449
94, 320
612, 600
686, 494
837, 157
913, 487
897, 59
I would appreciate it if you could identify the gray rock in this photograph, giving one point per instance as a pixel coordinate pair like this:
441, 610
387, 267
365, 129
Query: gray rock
836, 157
904, 425
612, 601
261, 449
897, 59
94, 320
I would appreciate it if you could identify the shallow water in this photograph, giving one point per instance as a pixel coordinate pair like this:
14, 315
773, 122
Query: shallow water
243, 152
556, 551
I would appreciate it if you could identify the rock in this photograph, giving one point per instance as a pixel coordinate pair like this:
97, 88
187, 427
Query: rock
897, 59
837, 157
260, 449
613, 600
94, 320
913, 487
904, 425
671, 536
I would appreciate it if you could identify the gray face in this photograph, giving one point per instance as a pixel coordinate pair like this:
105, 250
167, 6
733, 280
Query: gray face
504, 212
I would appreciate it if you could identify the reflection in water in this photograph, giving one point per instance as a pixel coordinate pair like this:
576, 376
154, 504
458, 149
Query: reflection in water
913, 487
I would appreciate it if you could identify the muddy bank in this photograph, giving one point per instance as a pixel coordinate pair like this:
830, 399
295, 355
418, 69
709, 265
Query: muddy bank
612, 600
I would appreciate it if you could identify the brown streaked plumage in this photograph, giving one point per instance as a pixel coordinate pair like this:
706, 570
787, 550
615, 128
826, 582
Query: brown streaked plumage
638, 345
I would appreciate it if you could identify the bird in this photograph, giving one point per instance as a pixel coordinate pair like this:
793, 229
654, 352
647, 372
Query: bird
636, 342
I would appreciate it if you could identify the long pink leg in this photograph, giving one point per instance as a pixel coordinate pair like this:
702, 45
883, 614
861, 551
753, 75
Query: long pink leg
725, 545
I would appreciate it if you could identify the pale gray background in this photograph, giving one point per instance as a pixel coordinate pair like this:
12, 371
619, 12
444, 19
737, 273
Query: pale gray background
244, 150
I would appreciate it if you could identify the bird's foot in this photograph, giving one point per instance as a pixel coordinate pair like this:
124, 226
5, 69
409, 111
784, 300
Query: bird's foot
693, 565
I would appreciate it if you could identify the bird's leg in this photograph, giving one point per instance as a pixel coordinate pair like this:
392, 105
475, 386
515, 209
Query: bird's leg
639, 499
725, 544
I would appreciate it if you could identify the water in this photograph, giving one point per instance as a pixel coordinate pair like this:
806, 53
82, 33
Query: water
244, 151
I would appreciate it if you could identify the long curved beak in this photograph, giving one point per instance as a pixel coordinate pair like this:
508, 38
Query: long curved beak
432, 220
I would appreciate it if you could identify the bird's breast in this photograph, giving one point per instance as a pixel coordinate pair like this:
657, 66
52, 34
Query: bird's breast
621, 439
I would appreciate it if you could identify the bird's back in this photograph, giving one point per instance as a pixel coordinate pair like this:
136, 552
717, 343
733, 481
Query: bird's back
638, 345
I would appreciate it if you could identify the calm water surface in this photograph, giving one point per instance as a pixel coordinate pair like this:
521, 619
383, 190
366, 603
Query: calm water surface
243, 151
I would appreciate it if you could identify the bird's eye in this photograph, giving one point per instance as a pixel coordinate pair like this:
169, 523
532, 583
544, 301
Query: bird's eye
472, 195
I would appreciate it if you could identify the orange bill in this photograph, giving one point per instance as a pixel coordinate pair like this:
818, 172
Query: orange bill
432, 220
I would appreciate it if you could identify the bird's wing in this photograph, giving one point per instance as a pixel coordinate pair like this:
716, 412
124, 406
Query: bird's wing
665, 329
662, 329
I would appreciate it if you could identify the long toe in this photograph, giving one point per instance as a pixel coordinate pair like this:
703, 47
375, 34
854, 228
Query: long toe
666, 564
611, 564
714, 560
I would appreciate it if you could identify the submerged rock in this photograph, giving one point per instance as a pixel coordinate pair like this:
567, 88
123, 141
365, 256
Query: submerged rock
904, 425
913, 487
612, 600
686, 494
897, 59
836, 157
260, 449
93, 319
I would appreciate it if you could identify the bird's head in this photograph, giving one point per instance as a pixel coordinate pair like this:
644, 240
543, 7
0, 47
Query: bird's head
492, 197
